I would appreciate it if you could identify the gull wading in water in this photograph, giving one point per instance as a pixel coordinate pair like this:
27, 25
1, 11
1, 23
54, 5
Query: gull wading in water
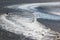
25, 22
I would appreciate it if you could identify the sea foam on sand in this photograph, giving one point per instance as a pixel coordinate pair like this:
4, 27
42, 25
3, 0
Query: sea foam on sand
21, 25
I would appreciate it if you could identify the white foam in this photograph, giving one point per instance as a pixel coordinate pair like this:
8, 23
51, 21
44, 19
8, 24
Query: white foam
17, 26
